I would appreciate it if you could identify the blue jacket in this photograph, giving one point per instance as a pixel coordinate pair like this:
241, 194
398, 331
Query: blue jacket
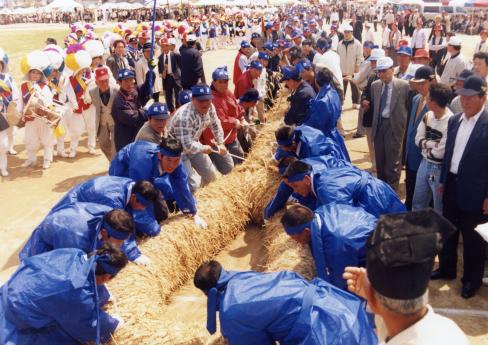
75, 226
112, 191
338, 239
413, 154
139, 161
264, 308
285, 192
51, 299
299, 103
323, 114
472, 176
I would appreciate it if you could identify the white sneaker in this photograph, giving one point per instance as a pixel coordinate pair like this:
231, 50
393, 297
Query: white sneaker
27, 163
46, 164
4, 172
72, 154
91, 151
61, 154
12, 152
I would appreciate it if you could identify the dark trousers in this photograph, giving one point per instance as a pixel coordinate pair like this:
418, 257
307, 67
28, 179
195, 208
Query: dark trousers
354, 90
171, 91
410, 179
473, 244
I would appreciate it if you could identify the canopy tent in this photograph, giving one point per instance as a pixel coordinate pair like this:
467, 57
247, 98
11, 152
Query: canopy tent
476, 3
28, 10
64, 5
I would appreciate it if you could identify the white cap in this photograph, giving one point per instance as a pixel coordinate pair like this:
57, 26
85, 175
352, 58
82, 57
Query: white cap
454, 41
376, 54
191, 38
172, 41
348, 28
384, 63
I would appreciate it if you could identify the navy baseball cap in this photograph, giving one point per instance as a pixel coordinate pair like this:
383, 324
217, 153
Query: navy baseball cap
296, 34
289, 72
184, 97
268, 46
268, 26
255, 35
323, 44
147, 46
473, 85
201, 92
245, 44
125, 74
465, 74
263, 55
158, 111
220, 73
251, 95
368, 44
422, 74
256, 65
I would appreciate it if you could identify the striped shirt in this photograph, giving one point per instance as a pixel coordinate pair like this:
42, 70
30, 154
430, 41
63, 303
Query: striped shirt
187, 125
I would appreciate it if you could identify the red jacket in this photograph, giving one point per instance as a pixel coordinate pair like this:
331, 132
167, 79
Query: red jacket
244, 83
228, 111
237, 70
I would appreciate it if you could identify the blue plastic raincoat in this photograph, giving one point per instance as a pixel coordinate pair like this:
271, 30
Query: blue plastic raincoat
51, 299
113, 191
283, 307
338, 239
285, 192
323, 114
311, 142
75, 226
139, 161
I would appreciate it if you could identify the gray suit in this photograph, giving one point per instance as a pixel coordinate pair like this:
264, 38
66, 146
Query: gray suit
388, 134
105, 131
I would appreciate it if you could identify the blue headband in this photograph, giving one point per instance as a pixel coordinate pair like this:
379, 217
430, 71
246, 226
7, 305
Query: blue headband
287, 142
143, 200
119, 235
104, 262
168, 153
298, 177
294, 230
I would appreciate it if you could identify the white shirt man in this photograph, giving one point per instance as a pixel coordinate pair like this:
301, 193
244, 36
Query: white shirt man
418, 38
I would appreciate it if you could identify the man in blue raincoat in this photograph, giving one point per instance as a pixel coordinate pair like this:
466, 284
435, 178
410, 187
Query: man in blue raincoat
343, 185
264, 308
285, 193
52, 298
304, 142
85, 226
336, 234
325, 110
141, 199
161, 164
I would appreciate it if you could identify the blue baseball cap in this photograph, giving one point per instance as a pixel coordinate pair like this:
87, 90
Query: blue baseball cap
368, 44
303, 64
289, 72
268, 46
255, 35
184, 97
201, 92
251, 95
296, 34
263, 55
220, 73
268, 26
323, 44
405, 50
256, 65
125, 74
245, 44
158, 111
465, 74
276, 45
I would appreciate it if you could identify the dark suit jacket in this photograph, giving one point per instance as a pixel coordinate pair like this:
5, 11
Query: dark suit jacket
192, 70
175, 60
472, 176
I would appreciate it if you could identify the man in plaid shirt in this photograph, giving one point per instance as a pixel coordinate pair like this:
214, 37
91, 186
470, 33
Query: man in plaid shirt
187, 126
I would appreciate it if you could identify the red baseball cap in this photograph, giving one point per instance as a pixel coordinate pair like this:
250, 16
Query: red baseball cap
164, 41
101, 73
421, 53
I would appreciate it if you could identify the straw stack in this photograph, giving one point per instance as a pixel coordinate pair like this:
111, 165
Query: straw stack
227, 205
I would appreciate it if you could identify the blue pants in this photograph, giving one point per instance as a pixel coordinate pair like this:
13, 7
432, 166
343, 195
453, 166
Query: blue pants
426, 186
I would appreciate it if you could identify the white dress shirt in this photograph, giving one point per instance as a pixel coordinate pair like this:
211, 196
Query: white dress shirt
465, 129
432, 329
167, 59
418, 38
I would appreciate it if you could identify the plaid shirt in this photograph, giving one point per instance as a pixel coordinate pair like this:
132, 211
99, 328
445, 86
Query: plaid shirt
187, 126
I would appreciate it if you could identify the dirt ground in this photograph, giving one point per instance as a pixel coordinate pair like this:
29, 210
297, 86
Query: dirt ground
26, 196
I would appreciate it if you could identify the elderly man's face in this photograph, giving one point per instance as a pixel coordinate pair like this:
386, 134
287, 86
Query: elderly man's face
386, 75
120, 49
403, 60
480, 68
103, 84
202, 106
472, 105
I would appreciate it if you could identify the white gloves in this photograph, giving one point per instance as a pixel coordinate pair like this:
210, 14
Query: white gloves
119, 319
200, 222
143, 261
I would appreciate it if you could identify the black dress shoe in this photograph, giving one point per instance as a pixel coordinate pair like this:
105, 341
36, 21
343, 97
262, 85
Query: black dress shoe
469, 290
437, 274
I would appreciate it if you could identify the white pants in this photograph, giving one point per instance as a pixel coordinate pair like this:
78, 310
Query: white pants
77, 123
4, 147
203, 41
213, 43
63, 123
10, 134
38, 133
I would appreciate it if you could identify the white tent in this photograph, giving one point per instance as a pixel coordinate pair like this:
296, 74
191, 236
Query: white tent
64, 5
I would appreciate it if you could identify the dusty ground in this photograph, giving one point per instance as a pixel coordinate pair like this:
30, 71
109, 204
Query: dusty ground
28, 194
